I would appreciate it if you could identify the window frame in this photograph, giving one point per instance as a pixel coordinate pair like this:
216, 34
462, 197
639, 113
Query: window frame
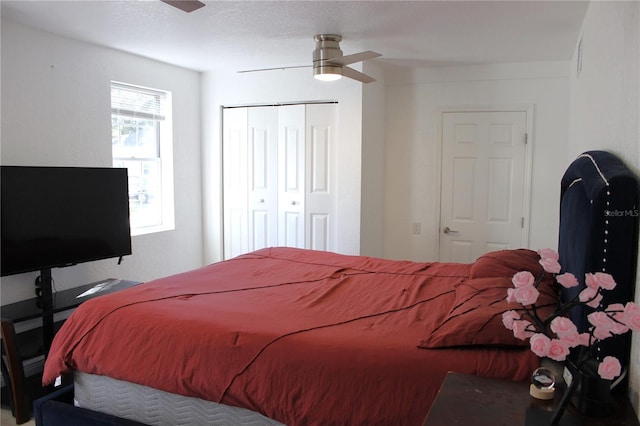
162, 116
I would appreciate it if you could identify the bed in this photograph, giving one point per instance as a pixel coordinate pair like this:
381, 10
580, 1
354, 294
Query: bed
295, 337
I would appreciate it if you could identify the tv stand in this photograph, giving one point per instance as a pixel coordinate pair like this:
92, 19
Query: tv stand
46, 284
50, 303
47, 300
32, 343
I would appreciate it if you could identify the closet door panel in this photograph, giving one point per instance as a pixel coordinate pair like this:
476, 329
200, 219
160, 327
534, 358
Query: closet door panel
262, 163
321, 132
235, 185
319, 232
291, 183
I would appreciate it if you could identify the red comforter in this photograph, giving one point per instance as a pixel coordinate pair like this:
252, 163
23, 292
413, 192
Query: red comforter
303, 337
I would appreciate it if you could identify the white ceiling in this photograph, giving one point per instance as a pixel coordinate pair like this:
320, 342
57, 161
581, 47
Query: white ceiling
240, 35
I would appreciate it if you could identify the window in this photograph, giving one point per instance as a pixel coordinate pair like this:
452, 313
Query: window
141, 139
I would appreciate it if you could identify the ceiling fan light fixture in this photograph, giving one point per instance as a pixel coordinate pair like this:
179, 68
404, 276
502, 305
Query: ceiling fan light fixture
327, 47
329, 64
327, 72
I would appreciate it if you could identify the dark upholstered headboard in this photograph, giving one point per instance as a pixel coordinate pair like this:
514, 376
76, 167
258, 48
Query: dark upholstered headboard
599, 232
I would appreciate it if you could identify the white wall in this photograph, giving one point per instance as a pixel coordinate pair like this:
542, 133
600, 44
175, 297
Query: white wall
272, 87
56, 111
373, 159
605, 112
412, 168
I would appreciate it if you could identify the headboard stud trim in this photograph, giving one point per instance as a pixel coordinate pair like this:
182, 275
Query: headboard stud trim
585, 155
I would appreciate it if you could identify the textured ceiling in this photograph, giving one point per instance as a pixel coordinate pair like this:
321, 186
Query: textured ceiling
239, 35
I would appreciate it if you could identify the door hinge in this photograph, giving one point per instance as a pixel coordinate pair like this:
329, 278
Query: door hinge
526, 138
522, 222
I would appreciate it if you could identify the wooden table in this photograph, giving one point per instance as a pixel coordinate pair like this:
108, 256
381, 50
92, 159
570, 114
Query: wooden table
468, 400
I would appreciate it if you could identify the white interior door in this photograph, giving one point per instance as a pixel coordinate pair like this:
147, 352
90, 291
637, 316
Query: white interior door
235, 185
291, 172
262, 164
321, 137
483, 183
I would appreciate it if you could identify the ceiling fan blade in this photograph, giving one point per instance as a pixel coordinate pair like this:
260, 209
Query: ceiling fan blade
276, 68
352, 59
185, 5
357, 75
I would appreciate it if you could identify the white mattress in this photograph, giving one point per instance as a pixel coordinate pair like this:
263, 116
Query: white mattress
155, 407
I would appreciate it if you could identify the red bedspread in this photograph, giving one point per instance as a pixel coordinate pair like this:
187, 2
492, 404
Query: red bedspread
303, 337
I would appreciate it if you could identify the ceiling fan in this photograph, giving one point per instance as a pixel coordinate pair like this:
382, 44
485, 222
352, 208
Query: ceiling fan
185, 5
329, 63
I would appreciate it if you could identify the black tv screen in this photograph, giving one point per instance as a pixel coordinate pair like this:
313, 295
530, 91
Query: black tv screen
60, 216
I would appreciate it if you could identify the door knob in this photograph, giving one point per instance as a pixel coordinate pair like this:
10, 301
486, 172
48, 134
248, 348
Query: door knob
448, 230
293, 203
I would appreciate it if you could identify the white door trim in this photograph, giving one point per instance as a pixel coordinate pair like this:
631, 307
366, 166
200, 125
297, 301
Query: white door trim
529, 109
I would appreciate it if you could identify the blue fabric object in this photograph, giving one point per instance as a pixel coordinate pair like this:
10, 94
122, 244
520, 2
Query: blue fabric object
599, 211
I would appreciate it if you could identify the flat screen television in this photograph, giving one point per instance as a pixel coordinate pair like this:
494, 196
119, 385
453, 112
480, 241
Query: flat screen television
60, 216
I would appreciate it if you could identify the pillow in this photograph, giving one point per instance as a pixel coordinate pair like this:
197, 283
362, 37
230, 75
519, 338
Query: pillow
475, 318
505, 263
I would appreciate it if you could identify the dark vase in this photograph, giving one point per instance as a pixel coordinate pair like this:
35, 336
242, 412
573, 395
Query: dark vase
592, 395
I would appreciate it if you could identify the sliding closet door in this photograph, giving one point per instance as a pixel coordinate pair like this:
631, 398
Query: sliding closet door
262, 165
235, 188
291, 172
278, 178
321, 135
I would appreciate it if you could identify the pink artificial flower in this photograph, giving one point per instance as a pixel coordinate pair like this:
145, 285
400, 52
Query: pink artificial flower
563, 327
526, 295
511, 295
540, 344
584, 339
548, 253
603, 324
600, 280
590, 281
590, 296
567, 280
522, 279
619, 327
616, 311
508, 318
572, 340
587, 294
600, 319
602, 333
614, 308
609, 368
550, 265
632, 316
606, 280
558, 350
595, 302
520, 329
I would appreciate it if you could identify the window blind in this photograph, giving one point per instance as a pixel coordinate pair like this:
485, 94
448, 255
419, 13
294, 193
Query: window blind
138, 102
